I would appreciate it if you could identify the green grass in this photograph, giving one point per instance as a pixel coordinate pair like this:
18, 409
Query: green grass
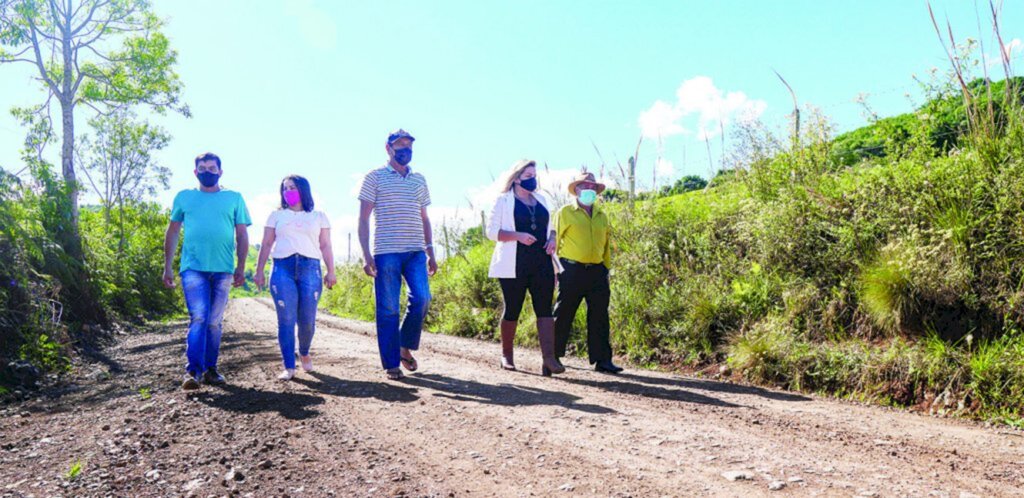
75, 471
895, 277
144, 393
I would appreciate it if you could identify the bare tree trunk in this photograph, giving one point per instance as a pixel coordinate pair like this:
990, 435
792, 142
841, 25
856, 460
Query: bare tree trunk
73, 242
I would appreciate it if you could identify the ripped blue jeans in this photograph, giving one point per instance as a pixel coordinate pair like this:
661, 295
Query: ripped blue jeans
206, 295
295, 284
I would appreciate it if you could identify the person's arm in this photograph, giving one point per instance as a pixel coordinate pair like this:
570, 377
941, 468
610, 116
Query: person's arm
269, 236
365, 209
550, 246
242, 251
328, 254
494, 231
170, 245
608, 245
428, 239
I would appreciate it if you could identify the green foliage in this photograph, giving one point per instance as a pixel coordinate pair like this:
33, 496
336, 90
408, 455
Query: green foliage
466, 302
74, 471
685, 184
128, 266
894, 278
145, 393
249, 289
353, 296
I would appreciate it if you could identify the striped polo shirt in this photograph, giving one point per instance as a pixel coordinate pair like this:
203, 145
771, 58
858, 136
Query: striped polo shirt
398, 202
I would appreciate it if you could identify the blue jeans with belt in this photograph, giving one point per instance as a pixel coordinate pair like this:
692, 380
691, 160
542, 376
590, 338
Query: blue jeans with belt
391, 269
295, 284
206, 295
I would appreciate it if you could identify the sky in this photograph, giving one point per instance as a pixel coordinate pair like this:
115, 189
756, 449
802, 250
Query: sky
313, 87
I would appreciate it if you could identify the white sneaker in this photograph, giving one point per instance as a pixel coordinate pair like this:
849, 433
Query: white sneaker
287, 374
307, 363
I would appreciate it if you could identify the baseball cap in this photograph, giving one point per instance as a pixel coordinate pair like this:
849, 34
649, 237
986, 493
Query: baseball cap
399, 133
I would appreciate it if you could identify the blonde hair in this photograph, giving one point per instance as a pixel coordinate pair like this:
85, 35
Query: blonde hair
517, 169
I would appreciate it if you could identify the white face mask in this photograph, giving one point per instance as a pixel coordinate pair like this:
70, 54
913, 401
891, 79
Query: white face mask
588, 197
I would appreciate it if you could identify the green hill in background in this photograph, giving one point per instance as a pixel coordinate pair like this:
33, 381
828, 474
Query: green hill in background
885, 264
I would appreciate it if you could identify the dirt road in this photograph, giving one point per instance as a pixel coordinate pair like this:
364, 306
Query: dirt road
462, 427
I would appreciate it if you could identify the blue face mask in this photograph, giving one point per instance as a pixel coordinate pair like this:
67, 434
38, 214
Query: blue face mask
529, 184
208, 179
403, 156
588, 197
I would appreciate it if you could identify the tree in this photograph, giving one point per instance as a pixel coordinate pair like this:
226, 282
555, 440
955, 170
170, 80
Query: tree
685, 184
103, 55
120, 166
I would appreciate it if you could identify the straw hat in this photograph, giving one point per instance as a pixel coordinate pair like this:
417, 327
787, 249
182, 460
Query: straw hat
585, 177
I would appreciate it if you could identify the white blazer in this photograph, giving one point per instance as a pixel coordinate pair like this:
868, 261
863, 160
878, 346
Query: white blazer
503, 261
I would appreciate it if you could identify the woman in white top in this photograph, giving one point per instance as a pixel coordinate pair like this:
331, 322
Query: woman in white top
520, 223
297, 238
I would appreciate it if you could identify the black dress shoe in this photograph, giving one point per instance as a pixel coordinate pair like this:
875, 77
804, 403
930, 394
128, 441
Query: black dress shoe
607, 366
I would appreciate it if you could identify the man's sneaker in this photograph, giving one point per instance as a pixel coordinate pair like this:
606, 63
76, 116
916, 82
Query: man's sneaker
191, 382
212, 377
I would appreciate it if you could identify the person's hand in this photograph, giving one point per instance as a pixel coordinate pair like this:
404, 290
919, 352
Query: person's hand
259, 279
239, 277
431, 266
169, 278
330, 279
525, 238
370, 268
549, 246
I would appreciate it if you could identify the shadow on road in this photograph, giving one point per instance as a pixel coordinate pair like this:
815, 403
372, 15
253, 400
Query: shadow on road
708, 385
347, 388
501, 394
615, 385
293, 406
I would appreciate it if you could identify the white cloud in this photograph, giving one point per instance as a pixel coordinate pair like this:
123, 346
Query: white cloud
315, 24
702, 102
661, 120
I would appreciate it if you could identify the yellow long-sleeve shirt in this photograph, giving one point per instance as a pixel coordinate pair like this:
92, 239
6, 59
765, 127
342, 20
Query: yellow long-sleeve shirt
581, 237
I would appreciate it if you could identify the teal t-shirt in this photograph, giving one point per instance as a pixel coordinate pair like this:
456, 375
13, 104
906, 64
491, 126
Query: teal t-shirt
209, 219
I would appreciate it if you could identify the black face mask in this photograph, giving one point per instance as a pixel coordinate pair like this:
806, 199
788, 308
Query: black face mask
208, 179
529, 184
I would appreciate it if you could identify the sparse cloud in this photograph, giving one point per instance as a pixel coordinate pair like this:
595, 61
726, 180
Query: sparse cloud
702, 104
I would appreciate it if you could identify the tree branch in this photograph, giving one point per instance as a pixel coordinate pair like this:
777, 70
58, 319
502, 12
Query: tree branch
88, 17
39, 59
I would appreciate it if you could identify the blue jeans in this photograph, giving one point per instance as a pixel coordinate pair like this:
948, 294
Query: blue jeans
295, 284
206, 294
391, 268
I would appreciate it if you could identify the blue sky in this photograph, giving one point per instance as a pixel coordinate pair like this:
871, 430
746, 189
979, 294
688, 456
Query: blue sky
313, 87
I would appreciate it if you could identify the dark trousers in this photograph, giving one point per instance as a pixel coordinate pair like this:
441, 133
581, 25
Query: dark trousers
577, 283
534, 273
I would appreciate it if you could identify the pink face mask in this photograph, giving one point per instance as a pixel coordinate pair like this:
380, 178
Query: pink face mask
292, 197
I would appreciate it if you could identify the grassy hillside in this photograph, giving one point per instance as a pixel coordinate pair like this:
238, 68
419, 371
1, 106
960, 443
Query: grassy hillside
896, 277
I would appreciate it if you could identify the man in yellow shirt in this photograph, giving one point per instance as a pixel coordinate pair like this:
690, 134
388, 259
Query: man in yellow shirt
582, 239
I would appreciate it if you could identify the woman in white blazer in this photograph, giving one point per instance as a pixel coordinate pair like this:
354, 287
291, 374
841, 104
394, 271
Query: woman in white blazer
521, 224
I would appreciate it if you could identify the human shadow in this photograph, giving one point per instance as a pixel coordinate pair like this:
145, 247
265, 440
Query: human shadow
348, 388
248, 400
501, 394
649, 391
709, 385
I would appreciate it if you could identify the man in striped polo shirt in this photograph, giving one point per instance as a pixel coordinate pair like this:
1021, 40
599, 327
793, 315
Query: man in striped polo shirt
402, 248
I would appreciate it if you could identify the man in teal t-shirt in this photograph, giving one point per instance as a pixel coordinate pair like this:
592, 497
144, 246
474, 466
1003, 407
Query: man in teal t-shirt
215, 246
